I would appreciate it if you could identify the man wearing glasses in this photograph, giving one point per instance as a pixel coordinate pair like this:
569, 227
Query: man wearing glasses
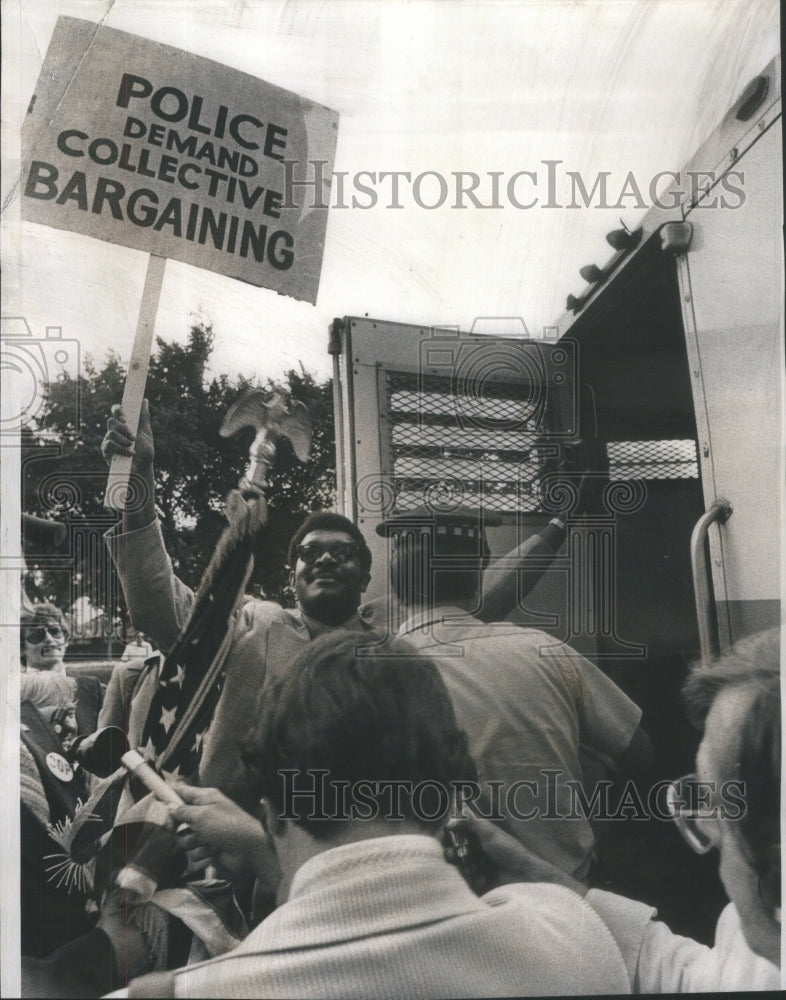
331, 566
731, 803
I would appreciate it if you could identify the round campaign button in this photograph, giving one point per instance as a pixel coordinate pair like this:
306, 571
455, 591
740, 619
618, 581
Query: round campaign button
59, 766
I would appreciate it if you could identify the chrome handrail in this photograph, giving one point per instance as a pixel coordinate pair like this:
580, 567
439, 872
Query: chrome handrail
719, 512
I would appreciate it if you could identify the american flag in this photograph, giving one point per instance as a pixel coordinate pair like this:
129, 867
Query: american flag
191, 677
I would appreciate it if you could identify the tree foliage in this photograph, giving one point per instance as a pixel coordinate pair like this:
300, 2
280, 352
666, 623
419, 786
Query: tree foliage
64, 475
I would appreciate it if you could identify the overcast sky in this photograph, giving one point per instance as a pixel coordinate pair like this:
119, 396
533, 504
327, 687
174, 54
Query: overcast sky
619, 85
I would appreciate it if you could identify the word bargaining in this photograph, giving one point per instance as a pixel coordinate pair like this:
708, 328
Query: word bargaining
203, 164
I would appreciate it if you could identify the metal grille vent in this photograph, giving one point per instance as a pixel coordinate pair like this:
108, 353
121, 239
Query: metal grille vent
455, 446
653, 460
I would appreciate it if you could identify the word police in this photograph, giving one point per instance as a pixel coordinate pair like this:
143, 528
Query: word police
218, 155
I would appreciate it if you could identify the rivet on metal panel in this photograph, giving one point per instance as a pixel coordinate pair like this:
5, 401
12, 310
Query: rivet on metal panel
717, 562
696, 372
687, 297
761, 124
706, 450
733, 155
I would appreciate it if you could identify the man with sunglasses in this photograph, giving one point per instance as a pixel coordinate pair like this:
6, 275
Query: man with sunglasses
330, 570
44, 638
44, 641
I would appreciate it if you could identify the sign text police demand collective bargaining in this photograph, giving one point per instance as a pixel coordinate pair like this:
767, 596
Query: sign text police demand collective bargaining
220, 166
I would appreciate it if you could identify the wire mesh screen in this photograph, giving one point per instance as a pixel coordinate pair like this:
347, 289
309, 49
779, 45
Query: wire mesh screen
449, 444
653, 459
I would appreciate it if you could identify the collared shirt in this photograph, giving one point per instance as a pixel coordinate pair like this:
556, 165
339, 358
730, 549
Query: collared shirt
527, 703
390, 918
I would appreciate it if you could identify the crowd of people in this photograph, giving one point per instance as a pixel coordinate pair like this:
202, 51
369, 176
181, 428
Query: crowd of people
377, 815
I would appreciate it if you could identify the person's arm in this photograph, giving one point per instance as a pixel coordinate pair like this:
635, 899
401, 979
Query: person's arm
140, 507
154, 984
609, 721
660, 961
220, 830
508, 580
159, 604
569, 488
118, 694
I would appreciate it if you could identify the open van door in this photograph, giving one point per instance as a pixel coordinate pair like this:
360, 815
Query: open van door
731, 290
667, 377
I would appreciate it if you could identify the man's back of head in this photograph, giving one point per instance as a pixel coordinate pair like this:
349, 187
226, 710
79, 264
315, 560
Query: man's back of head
437, 556
359, 731
736, 702
371, 907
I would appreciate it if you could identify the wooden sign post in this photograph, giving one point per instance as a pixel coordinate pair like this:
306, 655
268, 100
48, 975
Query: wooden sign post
117, 484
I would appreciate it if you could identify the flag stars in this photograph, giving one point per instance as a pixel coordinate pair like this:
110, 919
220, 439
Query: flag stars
168, 718
179, 677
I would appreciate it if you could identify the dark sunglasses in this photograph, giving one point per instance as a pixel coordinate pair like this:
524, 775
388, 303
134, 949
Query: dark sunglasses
37, 634
338, 551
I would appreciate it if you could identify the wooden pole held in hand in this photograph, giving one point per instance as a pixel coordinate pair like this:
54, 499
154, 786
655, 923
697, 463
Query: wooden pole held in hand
117, 485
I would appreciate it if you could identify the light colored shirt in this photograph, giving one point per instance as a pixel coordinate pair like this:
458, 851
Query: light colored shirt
528, 703
659, 961
390, 918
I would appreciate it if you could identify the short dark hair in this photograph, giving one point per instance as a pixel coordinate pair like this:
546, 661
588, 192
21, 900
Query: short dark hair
328, 520
751, 666
360, 709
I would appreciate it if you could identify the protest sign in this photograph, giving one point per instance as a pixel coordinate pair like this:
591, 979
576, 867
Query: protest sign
145, 145
151, 147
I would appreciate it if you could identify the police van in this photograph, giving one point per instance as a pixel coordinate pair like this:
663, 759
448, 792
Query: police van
651, 423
